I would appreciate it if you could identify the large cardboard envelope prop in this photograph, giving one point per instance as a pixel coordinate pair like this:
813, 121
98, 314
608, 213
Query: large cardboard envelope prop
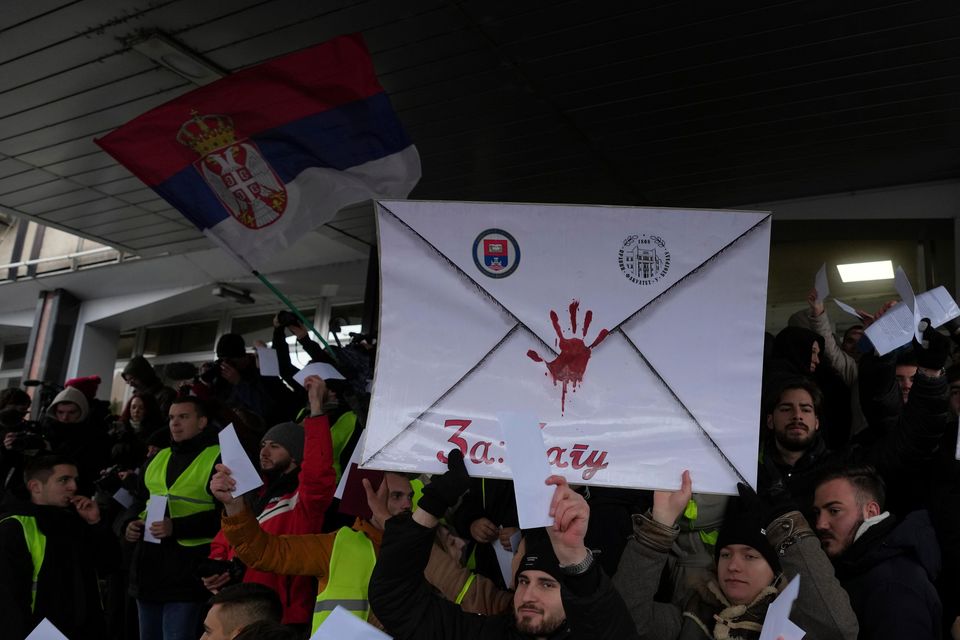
634, 334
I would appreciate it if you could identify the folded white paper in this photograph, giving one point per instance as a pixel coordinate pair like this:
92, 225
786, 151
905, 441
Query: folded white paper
527, 459
124, 497
777, 623
902, 285
269, 365
322, 369
893, 328
505, 558
845, 307
821, 284
241, 469
343, 625
46, 631
156, 512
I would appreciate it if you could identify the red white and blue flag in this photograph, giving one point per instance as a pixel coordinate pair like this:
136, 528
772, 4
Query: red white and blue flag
268, 153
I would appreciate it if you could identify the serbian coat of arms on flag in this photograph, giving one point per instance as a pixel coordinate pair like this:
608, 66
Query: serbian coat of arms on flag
259, 158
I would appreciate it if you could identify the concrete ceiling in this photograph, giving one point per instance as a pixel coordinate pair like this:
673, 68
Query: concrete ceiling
666, 103
709, 104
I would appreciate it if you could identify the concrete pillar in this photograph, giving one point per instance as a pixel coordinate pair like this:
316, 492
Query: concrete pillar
51, 340
96, 355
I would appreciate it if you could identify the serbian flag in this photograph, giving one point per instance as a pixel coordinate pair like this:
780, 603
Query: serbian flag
261, 157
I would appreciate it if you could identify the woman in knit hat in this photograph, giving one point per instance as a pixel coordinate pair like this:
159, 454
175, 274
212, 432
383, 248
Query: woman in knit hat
763, 543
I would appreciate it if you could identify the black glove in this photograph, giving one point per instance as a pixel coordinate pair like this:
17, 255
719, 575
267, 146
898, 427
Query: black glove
770, 505
444, 490
934, 351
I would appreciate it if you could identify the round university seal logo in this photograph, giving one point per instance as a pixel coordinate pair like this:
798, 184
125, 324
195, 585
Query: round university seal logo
644, 259
496, 253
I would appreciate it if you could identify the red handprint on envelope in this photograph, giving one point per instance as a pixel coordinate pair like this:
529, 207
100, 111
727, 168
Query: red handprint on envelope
570, 366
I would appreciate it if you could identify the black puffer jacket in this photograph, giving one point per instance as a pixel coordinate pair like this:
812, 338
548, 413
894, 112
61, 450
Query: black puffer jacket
67, 590
899, 454
888, 574
408, 609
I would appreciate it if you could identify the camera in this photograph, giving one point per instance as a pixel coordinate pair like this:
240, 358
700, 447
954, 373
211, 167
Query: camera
287, 319
27, 439
210, 567
109, 481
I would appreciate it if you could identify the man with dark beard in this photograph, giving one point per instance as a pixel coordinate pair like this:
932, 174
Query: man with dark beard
587, 605
796, 454
295, 462
887, 566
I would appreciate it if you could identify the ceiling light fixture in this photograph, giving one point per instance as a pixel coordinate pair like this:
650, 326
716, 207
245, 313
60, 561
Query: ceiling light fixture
865, 271
177, 58
237, 295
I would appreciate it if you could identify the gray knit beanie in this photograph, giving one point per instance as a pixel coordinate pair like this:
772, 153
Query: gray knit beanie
288, 435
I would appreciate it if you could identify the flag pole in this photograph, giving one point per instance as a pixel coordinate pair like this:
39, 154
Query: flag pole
295, 311
246, 265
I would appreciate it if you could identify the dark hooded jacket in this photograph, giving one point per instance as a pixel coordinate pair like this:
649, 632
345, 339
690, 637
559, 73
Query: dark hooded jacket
888, 574
84, 442
67, 590
402, 599
900, 454
792, 351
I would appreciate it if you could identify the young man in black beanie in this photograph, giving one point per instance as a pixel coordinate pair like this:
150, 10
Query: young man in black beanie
570, 599
762, 544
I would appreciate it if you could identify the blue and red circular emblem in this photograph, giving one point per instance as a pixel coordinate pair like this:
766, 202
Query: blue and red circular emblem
496, 253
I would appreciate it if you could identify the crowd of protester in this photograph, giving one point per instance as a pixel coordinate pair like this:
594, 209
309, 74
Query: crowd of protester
857, 492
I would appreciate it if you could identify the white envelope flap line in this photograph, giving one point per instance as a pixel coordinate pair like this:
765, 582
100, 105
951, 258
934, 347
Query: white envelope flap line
450, 389
694, 271
686, 409
540, 272
467, 277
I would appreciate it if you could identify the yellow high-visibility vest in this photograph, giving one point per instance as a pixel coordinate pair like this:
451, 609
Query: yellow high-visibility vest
188, 494
351, 565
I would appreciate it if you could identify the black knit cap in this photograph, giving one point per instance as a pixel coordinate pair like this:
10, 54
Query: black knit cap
741, 527
538, 554
231, 345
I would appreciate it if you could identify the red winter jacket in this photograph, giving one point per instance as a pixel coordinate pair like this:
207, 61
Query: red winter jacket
295, 512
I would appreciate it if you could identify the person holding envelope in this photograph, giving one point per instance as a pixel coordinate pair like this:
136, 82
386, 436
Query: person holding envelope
763, 542
586, 607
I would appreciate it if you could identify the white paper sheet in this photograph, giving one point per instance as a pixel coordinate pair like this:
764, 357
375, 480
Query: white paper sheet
343, 625
821, 284
902, 285
524, 444
46, 631
156, 511
354, 459
845, 307
322, 369
777, 623
505, 558
124, 497
892, 330
269, 365
241, 469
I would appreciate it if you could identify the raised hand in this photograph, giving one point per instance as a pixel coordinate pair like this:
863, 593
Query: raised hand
316, 390
377, 501
816, 306
222, 485
571, 514
668, 505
